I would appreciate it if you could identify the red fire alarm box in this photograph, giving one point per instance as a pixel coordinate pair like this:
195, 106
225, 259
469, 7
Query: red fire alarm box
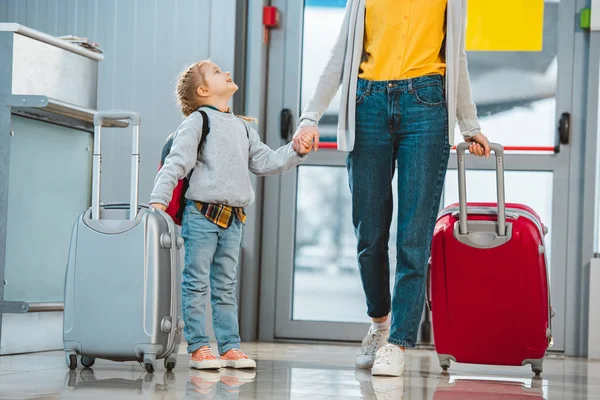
270, 21
270, 17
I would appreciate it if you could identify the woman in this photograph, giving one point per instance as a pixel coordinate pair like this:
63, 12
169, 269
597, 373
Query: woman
403, 70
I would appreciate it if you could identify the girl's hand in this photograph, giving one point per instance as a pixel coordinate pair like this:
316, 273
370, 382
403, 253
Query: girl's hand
306, 142
158, 206
480, 146
311, 132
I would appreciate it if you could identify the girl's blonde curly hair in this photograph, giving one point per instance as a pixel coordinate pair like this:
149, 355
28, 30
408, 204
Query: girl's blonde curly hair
186, 91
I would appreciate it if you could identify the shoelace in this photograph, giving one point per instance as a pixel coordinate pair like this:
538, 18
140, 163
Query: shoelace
238, 353
386, 356
205, 352
370, 344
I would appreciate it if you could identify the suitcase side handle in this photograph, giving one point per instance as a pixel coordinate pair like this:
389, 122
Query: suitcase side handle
99, 117
462, 187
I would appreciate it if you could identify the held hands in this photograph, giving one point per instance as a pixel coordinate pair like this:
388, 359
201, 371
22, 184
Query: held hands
480, 146
158, 206
305, 139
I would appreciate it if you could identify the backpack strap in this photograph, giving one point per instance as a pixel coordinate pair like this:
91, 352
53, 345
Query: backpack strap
169, 141
205, 129
205, 132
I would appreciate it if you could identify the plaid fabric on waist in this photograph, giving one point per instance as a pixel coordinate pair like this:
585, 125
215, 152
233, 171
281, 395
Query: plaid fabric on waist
221, 215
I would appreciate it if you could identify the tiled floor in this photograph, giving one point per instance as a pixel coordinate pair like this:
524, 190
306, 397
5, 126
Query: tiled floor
293, 371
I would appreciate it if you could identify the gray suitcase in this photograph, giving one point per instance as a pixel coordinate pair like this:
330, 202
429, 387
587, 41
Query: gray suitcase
123, 279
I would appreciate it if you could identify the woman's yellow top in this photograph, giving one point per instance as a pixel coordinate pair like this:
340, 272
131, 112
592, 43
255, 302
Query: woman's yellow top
403, 39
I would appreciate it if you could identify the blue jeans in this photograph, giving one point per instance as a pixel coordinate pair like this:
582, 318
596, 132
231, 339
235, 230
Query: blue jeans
405, 122
211, 255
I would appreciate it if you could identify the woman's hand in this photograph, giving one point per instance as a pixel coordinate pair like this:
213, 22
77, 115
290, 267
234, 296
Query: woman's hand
158, 206
480, 146
303, 135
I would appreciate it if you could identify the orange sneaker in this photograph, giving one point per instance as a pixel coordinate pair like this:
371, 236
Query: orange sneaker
203, 359
235, 358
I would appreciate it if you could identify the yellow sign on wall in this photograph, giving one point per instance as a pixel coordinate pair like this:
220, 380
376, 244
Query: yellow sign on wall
505, 25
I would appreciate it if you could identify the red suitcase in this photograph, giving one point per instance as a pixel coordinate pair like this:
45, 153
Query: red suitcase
488, 290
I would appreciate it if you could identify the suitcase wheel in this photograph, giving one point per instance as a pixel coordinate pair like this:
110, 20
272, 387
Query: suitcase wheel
87, 362
170, 362
150, 363
445, 364
72, 361
537, 369
149, 367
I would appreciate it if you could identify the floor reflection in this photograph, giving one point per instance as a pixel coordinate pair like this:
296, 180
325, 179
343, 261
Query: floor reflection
224, 384
85, 380
454, 387
380, 388
295, 372
206, 385
474, 387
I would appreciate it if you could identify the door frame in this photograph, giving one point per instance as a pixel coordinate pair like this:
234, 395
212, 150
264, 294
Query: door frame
583, 187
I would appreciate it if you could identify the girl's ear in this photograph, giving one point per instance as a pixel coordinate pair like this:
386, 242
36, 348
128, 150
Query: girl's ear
202, 91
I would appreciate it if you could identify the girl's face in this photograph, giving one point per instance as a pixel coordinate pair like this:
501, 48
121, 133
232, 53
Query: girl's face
217, 83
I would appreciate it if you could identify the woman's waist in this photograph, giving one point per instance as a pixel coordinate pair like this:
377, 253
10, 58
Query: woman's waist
408, 84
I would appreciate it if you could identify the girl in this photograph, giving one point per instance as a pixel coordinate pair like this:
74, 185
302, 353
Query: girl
219, 189
403, 70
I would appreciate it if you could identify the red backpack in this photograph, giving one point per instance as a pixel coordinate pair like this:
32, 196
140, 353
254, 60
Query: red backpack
177, 204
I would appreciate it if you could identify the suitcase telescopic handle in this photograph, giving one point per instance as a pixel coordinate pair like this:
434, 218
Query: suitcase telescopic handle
462, 187
99, 118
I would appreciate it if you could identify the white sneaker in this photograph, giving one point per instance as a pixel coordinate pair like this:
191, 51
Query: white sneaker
374, 340
389, 361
